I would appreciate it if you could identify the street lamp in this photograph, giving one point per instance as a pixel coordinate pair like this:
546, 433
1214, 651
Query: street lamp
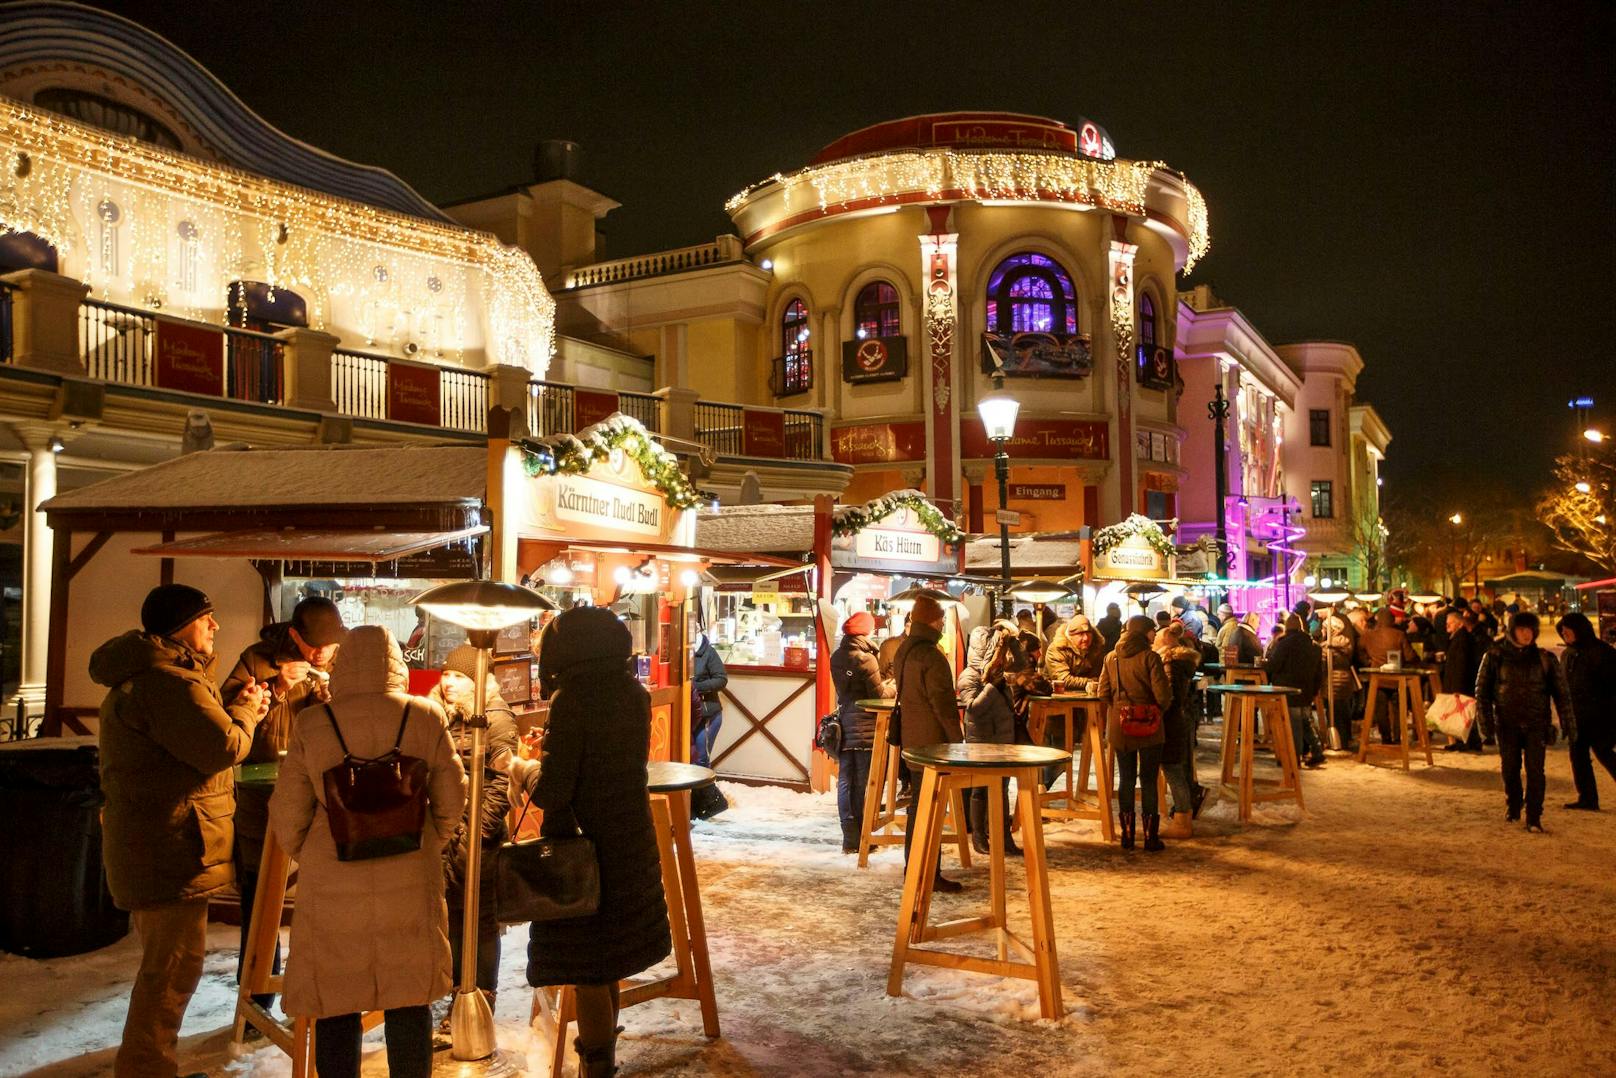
998, 411
482, 608
1593, 435
1456, 519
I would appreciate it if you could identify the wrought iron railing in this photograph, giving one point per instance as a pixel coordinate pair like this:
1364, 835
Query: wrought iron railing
643, 407
719, 427
805, 435
792, 374
722, 428
116, 342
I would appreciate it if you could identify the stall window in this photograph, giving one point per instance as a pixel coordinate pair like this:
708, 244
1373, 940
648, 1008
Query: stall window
1030, 293
1322, 492
1318, 424
875, 312
794, 369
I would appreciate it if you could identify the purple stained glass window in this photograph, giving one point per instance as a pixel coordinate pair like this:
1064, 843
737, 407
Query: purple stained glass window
1031, 293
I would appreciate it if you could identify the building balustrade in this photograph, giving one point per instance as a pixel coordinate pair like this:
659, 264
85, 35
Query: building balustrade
723, 249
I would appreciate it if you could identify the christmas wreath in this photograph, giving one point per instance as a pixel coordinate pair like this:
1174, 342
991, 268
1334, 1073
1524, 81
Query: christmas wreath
851, 519
1135, 525
574, 454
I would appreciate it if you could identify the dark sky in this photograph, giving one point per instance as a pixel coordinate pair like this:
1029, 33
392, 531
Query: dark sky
1432, 181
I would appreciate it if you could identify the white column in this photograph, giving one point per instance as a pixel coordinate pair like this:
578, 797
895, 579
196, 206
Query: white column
36, 562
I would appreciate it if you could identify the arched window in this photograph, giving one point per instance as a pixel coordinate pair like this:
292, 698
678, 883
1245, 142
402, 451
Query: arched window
1147, 321
875, 312
1153, 365
1029, 293
794, 369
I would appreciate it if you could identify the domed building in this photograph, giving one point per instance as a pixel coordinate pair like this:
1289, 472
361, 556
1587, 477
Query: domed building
908, 266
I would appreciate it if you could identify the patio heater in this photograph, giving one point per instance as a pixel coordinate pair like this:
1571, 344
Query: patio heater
998, 411
1040, 593
1330, 599
482, 608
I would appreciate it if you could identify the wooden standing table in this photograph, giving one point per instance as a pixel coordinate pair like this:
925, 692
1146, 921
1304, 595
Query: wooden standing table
947, 770
1408, 712
1095, 753
1241, 706
883, 824
1240, 673
669, 786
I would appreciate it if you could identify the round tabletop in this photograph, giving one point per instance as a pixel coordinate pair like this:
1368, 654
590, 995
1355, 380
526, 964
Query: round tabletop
1407, 671
876, 705
1255, 690
663, 777
977, 754
1065, 696
1234, 666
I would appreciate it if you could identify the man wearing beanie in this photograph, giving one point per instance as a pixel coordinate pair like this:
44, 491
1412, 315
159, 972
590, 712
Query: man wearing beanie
290, 660
925, 688
168, 743
1514, 687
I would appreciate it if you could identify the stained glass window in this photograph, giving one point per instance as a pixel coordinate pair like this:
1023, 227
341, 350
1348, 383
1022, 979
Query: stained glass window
875, 312
796, 363
1030, 293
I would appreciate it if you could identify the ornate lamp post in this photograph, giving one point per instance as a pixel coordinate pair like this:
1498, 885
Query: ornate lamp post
482, 607
1218, 411
998, 411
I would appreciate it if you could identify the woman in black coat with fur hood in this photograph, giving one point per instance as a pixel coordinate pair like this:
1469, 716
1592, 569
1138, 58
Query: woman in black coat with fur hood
591, 778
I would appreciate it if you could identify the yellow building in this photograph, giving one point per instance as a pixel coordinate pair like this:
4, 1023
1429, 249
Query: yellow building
884, 283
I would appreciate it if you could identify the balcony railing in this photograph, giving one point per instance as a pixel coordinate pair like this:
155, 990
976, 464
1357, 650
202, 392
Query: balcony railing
555, 408
255, 366
5, 322
643, 407
116, 342
723, 249
368, 386
733, 430
792, 374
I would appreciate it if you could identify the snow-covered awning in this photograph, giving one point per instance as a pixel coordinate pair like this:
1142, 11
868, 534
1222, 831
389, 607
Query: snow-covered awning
285, 544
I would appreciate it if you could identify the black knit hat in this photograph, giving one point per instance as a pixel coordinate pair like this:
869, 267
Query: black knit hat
462, 660
171, 607
584, 634
1524, 619
318, 621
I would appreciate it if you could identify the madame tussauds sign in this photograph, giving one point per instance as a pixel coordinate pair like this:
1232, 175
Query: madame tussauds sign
581, 500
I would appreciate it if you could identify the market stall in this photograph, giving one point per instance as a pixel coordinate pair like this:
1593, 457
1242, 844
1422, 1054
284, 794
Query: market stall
773, 627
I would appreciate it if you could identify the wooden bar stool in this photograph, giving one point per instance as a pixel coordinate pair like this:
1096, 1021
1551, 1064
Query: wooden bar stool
948, 769
1241, 706
258, 976
1408, 713
1093, 753
883, 820
669, 786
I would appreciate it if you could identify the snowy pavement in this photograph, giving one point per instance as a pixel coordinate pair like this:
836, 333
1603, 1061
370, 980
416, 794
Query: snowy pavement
1398, 926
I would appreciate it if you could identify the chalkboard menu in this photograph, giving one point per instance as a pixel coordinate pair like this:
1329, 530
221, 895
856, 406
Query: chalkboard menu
513, 639
514, 679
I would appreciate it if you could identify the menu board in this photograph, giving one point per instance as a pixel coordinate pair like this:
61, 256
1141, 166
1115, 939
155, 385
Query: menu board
514, 678
513, 639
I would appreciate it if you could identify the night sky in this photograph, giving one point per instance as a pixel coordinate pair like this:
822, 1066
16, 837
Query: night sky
1433, 181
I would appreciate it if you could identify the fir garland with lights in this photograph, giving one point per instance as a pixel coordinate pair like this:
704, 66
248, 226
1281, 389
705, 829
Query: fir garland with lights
575, 454
852, 519
1135, 526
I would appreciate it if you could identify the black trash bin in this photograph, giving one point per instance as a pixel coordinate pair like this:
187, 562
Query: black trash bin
53, 889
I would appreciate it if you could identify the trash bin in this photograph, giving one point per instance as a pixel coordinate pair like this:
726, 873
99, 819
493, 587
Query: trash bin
53, 889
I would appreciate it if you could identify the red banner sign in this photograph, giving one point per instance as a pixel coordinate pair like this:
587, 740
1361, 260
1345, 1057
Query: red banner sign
590, 406
763, 434
412, 394
879, 443
1054, 439
189, 357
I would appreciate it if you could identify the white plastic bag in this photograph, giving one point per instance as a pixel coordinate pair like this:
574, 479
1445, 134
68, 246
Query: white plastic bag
1452, 714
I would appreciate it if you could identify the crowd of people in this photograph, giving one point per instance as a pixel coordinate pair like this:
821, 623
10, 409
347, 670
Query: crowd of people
371, 934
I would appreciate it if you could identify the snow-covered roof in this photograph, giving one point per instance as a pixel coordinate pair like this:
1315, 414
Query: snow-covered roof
1061, 551
762, 529
276, 478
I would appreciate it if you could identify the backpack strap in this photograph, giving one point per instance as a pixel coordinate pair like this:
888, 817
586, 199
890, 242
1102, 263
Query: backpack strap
332, 715
402, 722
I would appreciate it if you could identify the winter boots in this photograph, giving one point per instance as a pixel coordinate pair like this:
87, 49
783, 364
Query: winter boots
1178, 826
600, 1062
1125, 821
1153, 841
977, 810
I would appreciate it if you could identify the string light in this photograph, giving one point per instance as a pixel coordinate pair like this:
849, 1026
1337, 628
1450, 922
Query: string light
439, 283
1002, 177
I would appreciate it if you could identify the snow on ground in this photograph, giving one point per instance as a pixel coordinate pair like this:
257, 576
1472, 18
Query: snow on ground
1399, 925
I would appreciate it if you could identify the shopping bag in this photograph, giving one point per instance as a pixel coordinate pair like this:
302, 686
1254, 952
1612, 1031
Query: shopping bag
1452, 714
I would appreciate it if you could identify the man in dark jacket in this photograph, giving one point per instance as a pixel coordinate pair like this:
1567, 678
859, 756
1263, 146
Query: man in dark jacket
456, 693
925, 690
1296, 662
1590, 672
167, 746
1110, 627
855, 673
1461, 662
707, 677
292, 660
1517, 681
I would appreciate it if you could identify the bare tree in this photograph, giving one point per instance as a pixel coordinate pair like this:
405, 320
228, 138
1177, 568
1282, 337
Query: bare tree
1580, 507
1447, 542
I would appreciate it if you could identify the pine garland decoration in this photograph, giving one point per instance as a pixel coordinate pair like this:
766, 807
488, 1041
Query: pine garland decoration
1135, 525
575, 454
851, 519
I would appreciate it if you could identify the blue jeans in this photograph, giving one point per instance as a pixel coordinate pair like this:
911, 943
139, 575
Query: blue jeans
852, 776
702, 741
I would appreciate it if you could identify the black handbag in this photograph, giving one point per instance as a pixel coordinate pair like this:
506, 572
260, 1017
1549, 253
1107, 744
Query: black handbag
828, 738
545, 879
376, 807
